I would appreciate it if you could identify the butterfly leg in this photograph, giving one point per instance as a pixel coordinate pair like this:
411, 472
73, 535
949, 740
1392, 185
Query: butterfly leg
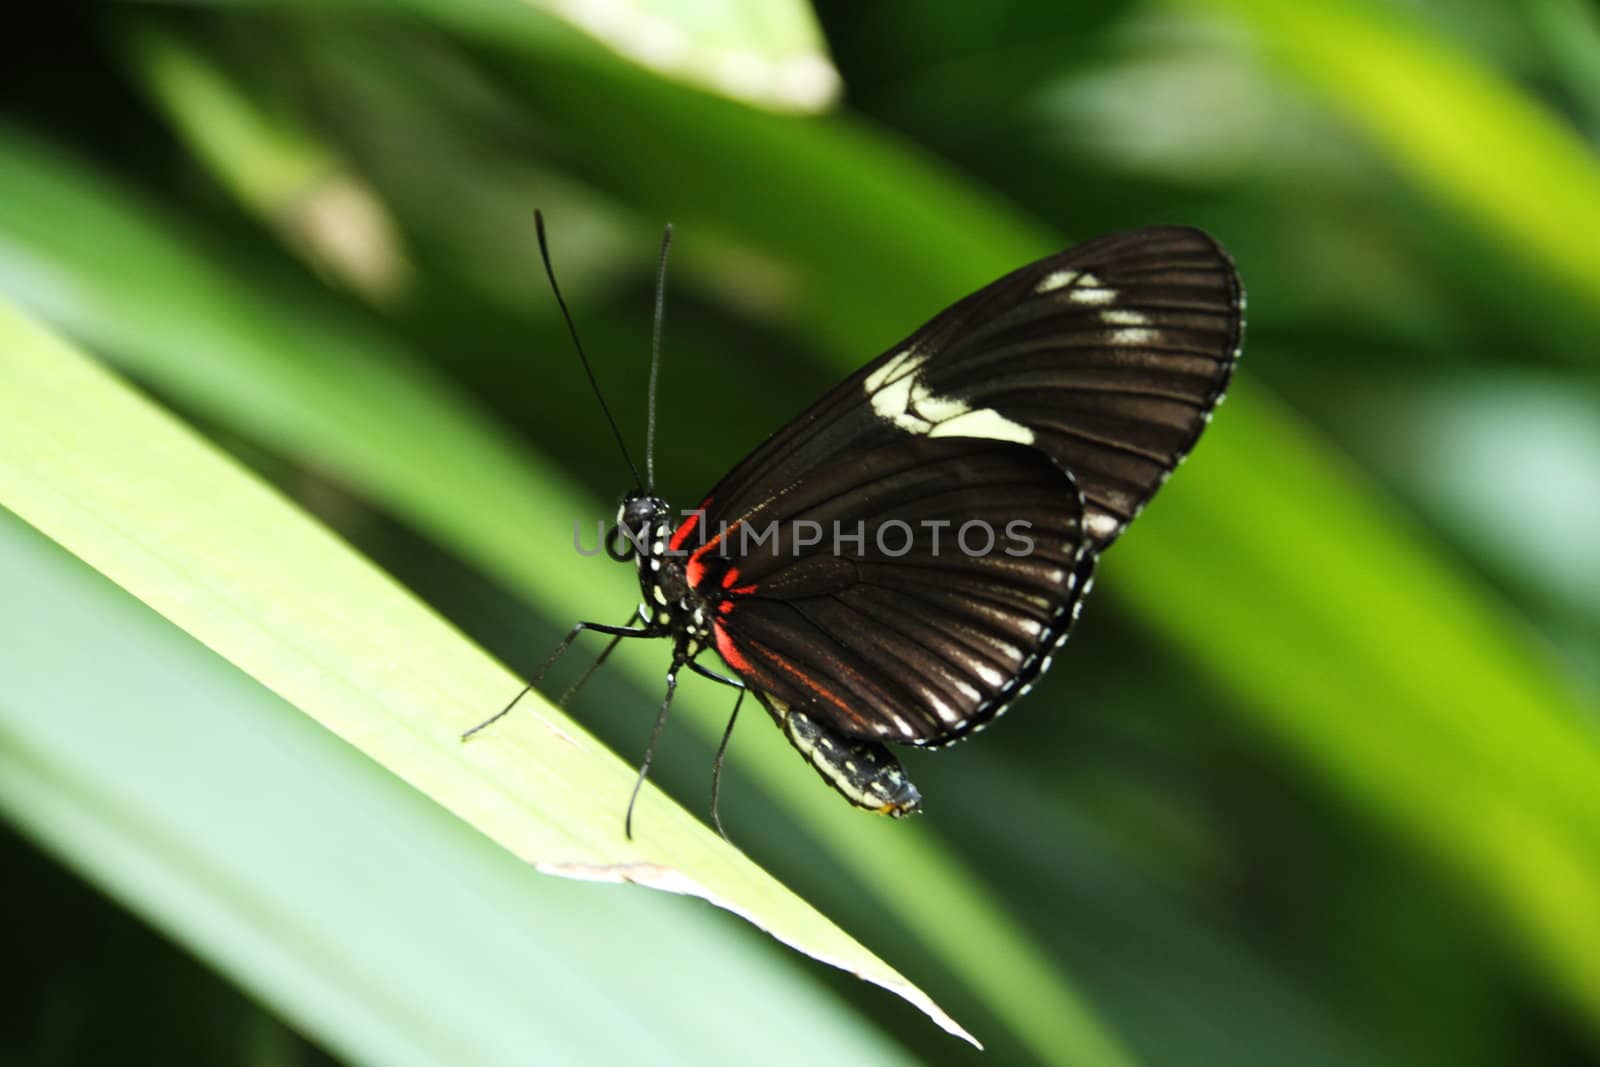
865, 772
722, 748
707, 672
716, 766
599, 661
616, 632
650, 749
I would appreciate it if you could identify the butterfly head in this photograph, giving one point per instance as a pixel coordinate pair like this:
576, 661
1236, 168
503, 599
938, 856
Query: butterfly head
645, 530
644, 516
643, 519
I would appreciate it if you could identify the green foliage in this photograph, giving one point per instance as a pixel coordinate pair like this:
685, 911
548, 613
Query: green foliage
1314, 780
123, 488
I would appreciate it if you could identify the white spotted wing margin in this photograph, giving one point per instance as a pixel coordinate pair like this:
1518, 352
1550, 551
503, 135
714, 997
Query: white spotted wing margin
1063, 394
960, 568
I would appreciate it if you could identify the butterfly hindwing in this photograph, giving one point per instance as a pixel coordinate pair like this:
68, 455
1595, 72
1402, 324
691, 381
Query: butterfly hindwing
958, 566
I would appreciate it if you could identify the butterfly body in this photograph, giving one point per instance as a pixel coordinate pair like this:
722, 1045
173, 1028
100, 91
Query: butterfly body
898, 563
686, 611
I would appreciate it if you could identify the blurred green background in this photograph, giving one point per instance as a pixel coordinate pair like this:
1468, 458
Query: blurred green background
1315, 780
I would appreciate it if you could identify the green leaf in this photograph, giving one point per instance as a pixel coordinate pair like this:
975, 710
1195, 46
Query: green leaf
141, 499
1458, 129
764, 52
275, 167
767, 53
355, 906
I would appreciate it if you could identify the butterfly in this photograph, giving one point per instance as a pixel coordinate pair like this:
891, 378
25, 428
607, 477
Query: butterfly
898, 564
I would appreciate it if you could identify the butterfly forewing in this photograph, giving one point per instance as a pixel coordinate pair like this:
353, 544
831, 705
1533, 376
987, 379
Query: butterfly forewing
1108, 357
1112, 354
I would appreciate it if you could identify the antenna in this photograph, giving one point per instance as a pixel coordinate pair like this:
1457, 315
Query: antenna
655, 360
544, 251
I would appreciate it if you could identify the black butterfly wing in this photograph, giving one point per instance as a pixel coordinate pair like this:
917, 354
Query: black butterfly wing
1108, 357
1062, 394
947, 571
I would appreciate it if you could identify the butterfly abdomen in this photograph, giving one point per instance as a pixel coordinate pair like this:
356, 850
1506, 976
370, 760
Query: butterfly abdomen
865, 773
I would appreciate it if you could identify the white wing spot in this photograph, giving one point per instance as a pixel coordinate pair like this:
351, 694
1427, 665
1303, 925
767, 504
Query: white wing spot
1124, 317
970, 691
1056, 279
1090, 290
900, 366
932, 408
988, 674
943, 709
900, 396
985, 422
1101, 524
890, 390
893, 403
1085, 287
1133, 335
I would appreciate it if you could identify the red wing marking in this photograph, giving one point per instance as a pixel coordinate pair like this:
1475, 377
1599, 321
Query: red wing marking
726, 649
695, 572
725, 605
681, 535
807, 681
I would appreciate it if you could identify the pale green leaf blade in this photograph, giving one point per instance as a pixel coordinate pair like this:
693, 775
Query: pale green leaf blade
279, 170
140, 498
1518, 173
764, 52
359, 909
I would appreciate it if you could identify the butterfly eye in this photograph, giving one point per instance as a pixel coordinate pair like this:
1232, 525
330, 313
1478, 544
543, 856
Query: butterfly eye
619, 546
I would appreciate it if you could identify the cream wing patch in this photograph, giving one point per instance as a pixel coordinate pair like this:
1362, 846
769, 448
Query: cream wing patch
1083, 287
899, 395
1130, 327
